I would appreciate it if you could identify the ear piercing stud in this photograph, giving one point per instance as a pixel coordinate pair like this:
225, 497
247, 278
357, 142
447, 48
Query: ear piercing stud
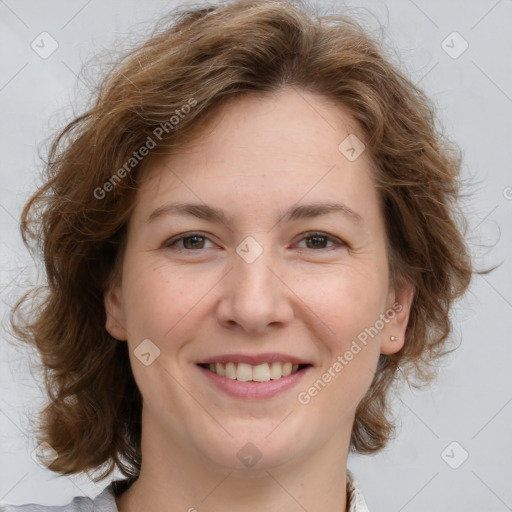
393, 338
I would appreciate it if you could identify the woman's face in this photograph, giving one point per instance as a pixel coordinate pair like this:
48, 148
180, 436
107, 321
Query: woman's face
265, 275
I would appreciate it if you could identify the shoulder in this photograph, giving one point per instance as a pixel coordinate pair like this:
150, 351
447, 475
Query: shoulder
79, 504
104, 502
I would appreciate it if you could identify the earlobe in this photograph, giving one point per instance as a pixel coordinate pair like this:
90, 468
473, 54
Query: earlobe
115, 324
393, 336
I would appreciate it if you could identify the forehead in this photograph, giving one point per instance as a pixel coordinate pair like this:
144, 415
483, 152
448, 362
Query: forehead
265, 151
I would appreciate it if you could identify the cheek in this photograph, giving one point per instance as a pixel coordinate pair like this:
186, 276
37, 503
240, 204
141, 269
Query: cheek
163, 301
342, 386
155, 300
156, 308
347, 305
346, 300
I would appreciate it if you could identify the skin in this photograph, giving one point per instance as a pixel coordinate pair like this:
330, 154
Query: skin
259, 155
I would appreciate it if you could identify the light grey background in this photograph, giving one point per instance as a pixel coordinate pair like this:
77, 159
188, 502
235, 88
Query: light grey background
471, 402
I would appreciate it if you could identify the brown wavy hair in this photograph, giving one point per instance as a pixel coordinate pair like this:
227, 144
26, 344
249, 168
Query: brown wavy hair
204, 56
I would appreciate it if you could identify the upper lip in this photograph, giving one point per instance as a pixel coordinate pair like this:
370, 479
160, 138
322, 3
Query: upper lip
254, 359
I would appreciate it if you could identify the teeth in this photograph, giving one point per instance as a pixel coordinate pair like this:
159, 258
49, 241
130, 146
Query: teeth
219, 369
230, 370
276, 370
244, 372
260, 373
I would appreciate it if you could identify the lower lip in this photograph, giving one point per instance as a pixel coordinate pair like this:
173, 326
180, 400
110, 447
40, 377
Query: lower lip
251, 389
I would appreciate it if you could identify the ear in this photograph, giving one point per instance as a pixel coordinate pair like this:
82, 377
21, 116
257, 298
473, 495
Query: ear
400, 303
115, 324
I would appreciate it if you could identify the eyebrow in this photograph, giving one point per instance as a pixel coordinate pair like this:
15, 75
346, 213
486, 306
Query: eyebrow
203, 211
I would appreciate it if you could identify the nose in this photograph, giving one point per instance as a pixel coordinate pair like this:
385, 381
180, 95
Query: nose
255, 296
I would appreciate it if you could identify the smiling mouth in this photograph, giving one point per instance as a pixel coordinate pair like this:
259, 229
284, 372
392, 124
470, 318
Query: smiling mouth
264, 372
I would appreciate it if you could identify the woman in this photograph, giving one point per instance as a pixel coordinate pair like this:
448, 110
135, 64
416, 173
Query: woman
247, 238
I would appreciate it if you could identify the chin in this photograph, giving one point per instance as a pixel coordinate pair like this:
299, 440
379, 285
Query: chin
249, 454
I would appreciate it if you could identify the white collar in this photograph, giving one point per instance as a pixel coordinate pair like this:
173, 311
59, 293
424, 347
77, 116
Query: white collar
356, 502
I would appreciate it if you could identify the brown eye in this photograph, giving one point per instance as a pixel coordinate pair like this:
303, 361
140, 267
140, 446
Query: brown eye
317, 242
191, 241
320, 241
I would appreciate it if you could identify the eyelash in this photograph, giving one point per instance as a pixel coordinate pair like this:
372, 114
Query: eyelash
173, 241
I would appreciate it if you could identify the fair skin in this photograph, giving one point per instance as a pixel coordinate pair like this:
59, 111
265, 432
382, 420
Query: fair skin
302, 297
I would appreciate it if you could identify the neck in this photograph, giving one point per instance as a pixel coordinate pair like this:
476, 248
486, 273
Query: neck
172, 479
176, 477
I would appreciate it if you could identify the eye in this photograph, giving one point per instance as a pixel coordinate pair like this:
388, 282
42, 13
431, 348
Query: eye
190, 241
196, 241
319, 240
